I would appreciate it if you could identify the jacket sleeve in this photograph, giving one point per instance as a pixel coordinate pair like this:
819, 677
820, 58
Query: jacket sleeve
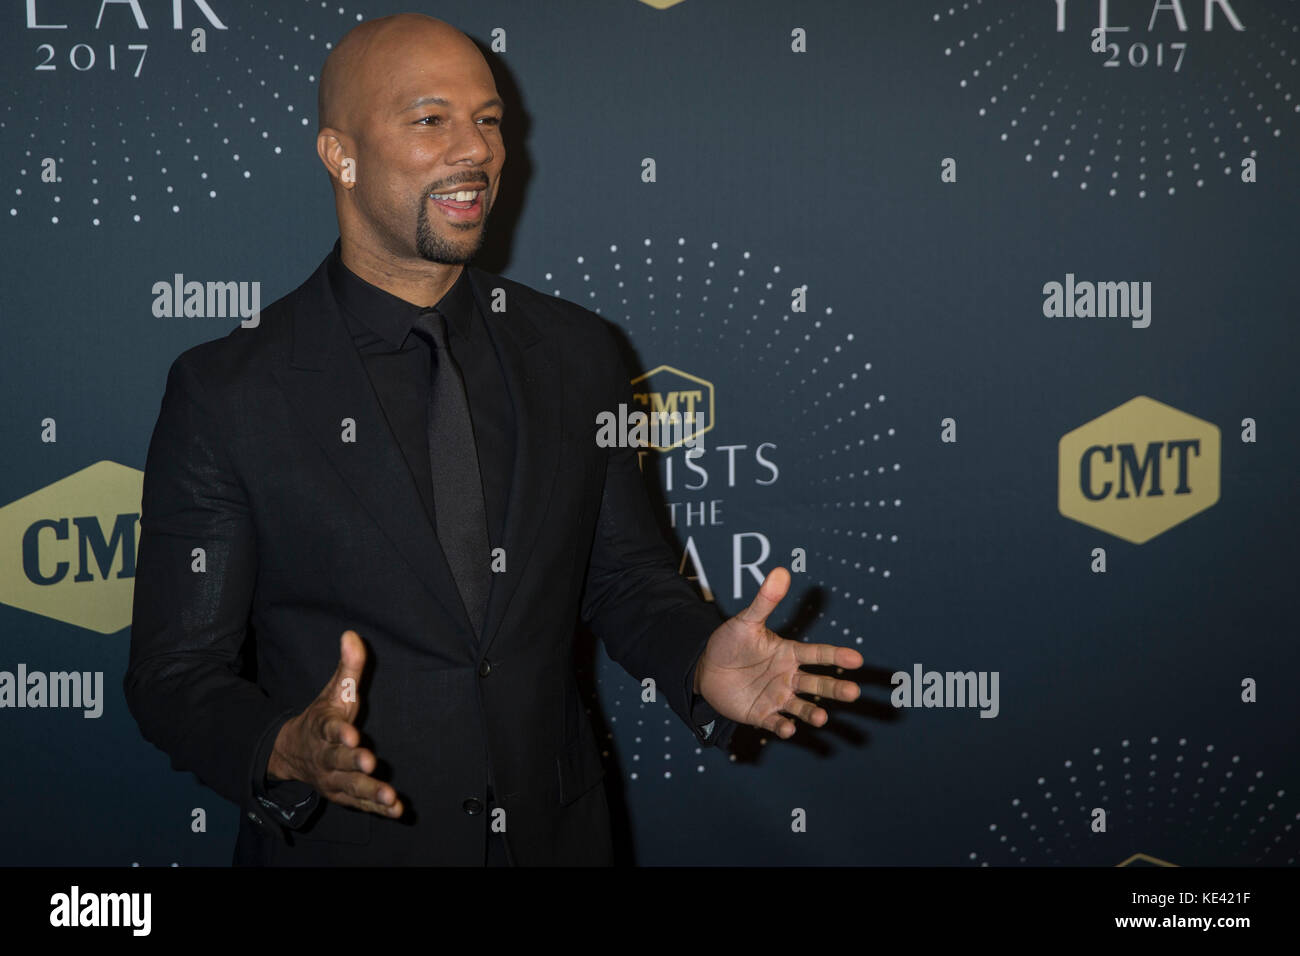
195, 575
650, 619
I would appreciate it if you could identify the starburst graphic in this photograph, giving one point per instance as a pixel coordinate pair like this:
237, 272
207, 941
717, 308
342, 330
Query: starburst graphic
134, 135
1155, 113
721, 312
1202, 804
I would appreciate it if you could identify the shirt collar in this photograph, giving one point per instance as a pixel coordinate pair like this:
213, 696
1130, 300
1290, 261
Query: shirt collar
389, 316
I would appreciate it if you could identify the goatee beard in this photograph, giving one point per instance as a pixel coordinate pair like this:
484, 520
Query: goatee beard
430, 245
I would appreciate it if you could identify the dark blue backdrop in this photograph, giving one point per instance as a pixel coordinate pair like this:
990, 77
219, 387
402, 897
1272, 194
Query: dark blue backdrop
794, 145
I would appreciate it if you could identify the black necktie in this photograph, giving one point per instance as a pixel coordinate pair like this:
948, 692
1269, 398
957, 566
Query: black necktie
459, 512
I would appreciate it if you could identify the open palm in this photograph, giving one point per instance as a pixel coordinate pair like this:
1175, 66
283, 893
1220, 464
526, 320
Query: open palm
751, 674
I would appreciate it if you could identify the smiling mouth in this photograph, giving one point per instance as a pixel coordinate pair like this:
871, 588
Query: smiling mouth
459, 198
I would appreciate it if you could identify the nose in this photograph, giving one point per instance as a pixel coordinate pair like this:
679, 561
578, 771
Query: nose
470, 145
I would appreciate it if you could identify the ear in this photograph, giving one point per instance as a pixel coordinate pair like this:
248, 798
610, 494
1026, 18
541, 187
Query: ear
335, 151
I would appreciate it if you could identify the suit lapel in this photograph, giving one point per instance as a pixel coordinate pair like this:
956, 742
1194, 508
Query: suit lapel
536, 393
326, 382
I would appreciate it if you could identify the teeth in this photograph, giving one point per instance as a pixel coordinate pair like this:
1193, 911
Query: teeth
463, 196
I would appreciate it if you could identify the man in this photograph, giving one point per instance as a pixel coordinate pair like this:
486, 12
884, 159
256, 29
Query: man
402, 451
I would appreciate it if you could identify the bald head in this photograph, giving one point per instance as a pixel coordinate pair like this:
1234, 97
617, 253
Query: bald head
356, 69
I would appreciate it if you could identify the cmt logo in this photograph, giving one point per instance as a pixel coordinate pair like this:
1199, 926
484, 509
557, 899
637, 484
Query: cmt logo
669, 391
68, 551
1138, 470
1142, 859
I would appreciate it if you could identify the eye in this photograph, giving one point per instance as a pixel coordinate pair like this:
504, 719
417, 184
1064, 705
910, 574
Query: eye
436, 119
491, 120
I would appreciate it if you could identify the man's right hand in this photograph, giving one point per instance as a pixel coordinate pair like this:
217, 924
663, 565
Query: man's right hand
321, 746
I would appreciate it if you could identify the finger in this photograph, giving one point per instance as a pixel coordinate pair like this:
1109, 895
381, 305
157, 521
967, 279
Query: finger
342, 687
392, 811
779, 724
806, 711
352, 652
822, 686
827, 655
769, 595
343, 757
367, 793
335, 729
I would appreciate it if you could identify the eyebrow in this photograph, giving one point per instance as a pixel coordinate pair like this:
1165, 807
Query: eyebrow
440, 101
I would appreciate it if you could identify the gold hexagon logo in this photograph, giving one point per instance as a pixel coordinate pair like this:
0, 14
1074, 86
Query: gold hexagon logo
669, 391
1138, 470
1142, 859
68, 550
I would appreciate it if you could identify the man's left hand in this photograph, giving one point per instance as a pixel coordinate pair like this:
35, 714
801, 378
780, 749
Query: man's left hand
751, 674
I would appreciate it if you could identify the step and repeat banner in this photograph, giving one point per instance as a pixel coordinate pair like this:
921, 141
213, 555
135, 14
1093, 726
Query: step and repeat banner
989, 308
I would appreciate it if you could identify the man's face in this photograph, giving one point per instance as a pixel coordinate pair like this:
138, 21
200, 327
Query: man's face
432, 128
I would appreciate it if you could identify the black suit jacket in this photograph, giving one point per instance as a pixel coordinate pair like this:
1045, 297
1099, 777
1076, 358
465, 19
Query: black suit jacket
304, 535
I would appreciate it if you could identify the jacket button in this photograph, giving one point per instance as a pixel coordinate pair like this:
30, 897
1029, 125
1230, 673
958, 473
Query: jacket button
473, 806
484, 669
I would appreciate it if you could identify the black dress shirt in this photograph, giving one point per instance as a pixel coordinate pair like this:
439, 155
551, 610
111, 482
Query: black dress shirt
399, 365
